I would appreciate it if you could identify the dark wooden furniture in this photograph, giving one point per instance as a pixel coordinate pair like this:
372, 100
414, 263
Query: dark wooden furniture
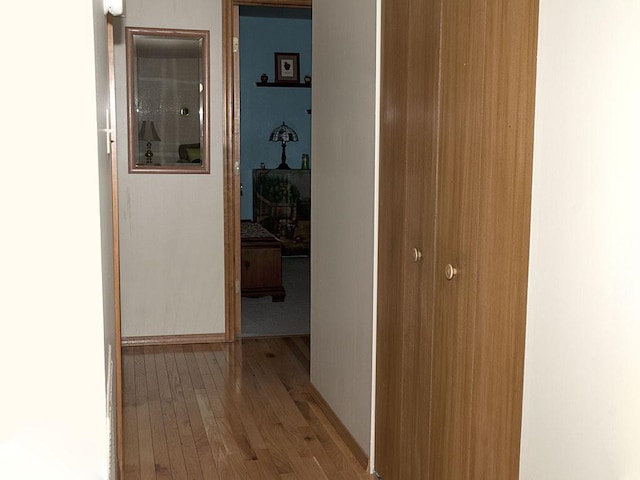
282, 205
261, 264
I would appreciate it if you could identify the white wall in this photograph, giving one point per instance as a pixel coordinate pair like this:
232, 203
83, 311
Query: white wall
342, 192
103, 104
52, 408
582, 369
171, 229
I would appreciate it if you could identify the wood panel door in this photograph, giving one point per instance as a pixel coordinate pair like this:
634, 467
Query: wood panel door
450, 350
486, 137
462, 58
408, 147
503, 237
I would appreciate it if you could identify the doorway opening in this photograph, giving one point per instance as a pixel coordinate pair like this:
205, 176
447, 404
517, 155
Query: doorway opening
271, 159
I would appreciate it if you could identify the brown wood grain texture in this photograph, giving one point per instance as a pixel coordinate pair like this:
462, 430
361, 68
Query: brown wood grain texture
160, 450
391, 242
229, 411
421, 179
151, 340
505, 203
191, 383
467, 353
461, 131
168, 417
131, 456
228, 432
231, 149
408, 156
145, 437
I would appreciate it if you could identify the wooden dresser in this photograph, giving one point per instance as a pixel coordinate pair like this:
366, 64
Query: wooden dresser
261, 261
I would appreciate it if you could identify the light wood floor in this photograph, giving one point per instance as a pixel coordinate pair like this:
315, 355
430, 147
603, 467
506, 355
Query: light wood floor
228, 411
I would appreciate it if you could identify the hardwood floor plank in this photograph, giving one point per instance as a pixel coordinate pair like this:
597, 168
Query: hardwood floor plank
145, 438
314, 469
276, 369
291, 430
130, 419
332, 444
222, 440
189, 450
230, 397
198, 431
287, 458
282, 376
223, 435
252, 469
256, 417
212, 430
160, 451
267, 466
290, 369
266, 417
238, 411
300, 351
168, 418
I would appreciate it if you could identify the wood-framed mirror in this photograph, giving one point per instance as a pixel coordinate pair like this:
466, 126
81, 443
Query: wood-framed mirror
168, 100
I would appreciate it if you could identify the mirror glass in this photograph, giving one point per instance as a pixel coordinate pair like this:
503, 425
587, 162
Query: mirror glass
168, 105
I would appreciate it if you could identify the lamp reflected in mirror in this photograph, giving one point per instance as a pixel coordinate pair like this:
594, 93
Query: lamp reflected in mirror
149, 134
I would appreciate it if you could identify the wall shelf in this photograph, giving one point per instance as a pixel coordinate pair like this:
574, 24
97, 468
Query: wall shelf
283, 84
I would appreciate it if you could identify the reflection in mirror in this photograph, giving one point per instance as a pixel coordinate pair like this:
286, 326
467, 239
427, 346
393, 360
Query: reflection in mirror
168, 100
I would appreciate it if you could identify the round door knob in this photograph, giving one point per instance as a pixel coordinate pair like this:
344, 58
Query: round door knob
417, 255
450, 271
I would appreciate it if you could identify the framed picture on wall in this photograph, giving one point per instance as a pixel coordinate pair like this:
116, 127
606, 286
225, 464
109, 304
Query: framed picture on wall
287, 67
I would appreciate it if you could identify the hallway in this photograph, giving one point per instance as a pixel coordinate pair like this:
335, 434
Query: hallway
228, 411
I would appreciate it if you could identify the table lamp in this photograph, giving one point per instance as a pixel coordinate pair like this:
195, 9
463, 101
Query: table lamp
148, 133
283, 133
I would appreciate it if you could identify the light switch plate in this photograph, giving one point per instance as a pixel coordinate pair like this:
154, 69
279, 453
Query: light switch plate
114, 7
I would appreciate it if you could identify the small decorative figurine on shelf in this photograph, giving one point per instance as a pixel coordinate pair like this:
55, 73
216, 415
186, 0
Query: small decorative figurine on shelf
307, 79
264, 78
304, 165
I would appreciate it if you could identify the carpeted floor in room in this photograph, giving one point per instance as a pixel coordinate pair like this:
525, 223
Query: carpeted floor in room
262, 317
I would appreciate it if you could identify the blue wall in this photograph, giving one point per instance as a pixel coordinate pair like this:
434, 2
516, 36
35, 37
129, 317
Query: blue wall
264, 31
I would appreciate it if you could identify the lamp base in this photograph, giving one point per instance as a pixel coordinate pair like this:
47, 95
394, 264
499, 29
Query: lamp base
149, 153
283, 159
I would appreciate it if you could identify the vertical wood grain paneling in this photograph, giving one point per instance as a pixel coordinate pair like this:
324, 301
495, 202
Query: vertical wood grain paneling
231, 149
503, 240
450, 351
408, 148
422, 110
391, 241
463, 28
